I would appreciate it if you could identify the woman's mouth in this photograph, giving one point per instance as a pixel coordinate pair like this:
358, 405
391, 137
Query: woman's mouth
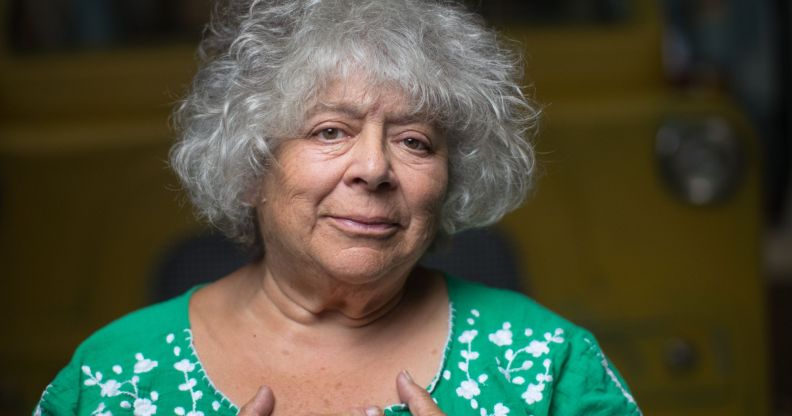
358, 226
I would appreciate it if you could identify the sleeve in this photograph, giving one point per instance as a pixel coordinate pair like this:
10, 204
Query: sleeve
588, 384
62, 395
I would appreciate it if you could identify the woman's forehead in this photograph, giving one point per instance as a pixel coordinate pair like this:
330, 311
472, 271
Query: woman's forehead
357, 98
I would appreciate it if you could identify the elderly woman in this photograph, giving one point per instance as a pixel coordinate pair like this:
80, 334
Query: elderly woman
342, 139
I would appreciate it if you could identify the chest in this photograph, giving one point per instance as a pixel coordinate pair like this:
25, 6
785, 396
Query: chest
308, 380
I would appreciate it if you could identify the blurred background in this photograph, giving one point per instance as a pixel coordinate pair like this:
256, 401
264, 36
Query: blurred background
661, 220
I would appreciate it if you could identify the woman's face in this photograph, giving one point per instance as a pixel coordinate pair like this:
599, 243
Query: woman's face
358, 194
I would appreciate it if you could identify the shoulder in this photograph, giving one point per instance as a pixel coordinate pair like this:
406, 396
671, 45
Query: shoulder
508, 351
122, 354
140, 327
489, 304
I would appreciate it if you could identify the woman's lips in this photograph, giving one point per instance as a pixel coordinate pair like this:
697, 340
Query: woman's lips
365, 226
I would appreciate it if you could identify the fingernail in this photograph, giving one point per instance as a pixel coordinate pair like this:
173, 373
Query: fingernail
373, 411
407, 374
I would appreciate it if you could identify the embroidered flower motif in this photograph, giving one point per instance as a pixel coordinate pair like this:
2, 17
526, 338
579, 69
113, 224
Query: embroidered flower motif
143, 365
502, 336
100, 411
110, 388
537, 348
534, 393
469, 355
144, 407
181, 412
184, 366
500, 410
468, 389
188, 385
133, 401
468, 336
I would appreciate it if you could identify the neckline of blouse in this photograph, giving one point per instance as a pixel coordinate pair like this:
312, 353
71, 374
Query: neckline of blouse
218, 394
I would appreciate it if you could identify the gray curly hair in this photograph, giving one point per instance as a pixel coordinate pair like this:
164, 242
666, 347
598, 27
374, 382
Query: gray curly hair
264, 61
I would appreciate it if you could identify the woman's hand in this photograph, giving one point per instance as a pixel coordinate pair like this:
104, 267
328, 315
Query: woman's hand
260, 405
416, 397
263, 403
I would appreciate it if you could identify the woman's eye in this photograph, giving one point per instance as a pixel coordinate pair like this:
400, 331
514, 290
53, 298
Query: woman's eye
330, 134
415, 144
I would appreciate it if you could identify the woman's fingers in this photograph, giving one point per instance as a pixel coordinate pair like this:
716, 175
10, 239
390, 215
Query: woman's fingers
260, 405
358, 411
417, 398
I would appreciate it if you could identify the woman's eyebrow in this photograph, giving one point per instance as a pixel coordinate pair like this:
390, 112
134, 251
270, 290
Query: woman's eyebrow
359, 112
349, 110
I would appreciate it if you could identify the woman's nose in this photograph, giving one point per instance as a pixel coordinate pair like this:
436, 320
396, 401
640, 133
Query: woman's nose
370, 163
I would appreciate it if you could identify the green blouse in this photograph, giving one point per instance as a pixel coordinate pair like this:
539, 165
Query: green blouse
505, 355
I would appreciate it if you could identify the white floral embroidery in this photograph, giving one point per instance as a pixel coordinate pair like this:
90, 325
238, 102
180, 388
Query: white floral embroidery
513, 365
133, 400
143, 364
534, 391
533, 394
100, 411
110, 388
181, 412
498, 410
186, 367
535, 348
468, 336
502, 336
144, 407
469, 388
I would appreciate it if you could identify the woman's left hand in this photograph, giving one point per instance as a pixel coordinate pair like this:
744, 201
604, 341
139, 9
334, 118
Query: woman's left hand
416, 397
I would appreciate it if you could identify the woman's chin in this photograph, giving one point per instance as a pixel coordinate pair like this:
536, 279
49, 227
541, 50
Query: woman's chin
362, 267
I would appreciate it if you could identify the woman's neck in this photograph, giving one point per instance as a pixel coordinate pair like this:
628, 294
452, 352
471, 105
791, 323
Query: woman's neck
309, 303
